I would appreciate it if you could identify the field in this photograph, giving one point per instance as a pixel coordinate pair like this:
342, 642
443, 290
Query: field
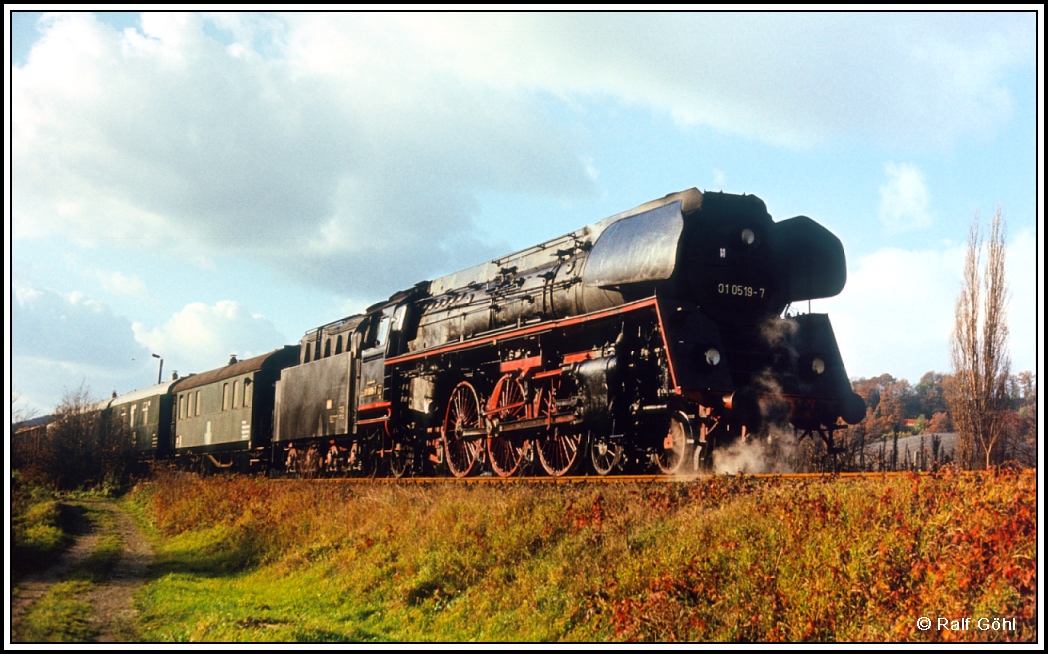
722, 559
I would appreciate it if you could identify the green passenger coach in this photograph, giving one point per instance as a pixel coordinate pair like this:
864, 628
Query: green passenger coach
146, 414
223, 413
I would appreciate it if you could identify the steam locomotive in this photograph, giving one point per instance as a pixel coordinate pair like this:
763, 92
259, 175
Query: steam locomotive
647, 339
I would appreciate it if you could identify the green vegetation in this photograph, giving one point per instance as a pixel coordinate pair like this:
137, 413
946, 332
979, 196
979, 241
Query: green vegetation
79, 449
43, 528
97, 566
60, 616
718, 559
40, 528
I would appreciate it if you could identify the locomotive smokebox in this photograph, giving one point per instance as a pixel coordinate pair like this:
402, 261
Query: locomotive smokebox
741, 266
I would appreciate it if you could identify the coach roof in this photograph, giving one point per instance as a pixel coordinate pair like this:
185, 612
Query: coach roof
142, 393
281, 358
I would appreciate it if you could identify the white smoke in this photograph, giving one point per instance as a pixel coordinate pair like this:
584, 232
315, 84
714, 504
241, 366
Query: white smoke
779, 332
777, 452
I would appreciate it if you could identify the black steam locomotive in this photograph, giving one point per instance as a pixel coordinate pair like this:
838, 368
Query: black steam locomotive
652, 336
645, 340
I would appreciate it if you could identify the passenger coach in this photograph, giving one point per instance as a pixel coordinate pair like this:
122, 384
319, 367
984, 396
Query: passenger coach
224, 417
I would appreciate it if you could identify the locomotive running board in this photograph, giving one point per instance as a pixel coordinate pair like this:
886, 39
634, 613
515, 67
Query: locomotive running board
493, 337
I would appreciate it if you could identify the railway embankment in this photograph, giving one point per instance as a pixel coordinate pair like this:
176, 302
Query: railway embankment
720, 559
906, 558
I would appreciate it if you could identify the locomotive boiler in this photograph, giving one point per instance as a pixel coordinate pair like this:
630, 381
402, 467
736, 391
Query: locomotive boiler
648, 338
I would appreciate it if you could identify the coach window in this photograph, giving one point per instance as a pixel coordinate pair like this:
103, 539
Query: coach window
225, 397
316, 351
338, 345
189, 408
247, 392
198, 402
236, 387
327, 347
132, 425
181, 406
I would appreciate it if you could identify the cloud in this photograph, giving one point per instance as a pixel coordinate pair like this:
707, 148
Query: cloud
794, 79
904, 199
1021, 268
325, 145
898, 305
72, 329
117, 282
201, 337
60, 341
166, 137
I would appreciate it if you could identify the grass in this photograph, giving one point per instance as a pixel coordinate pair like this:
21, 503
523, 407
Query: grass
719, 559
62, 614
41, 529
99, 564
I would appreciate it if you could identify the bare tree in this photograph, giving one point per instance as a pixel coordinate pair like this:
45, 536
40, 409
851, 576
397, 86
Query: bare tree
20, 410
977, 394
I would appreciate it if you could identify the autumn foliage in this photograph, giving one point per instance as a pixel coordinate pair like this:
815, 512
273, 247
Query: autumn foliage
946, 546
718, 559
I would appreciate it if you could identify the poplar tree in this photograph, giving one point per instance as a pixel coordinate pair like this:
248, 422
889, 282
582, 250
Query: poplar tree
977, 394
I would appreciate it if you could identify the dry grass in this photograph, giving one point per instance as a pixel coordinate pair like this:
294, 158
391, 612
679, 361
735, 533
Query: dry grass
718, 559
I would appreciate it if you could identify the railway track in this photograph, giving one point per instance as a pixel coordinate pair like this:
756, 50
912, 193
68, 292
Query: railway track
623, 479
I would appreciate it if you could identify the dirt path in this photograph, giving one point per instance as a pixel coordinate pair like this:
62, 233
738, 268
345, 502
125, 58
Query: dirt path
112, 605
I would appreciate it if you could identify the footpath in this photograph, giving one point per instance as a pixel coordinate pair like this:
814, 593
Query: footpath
112, 606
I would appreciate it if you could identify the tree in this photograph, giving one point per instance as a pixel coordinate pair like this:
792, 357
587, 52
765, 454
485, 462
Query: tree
977, 394
81, 445
939, 423
930, 394
72, 454
20, 411
1021, 430
896, 404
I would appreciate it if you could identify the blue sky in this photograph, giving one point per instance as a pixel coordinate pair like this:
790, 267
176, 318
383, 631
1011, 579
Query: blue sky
196, 185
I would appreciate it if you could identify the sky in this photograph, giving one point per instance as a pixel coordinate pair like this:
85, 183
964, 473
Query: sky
196, 185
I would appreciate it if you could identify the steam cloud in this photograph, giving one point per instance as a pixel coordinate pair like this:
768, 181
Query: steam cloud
777, 452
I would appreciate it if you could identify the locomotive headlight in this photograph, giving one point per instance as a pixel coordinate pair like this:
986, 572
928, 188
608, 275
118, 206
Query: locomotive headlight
712, 356
818, 366
748, 237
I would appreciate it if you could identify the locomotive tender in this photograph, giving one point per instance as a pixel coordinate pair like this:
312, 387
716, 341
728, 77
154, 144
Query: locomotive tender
652, 336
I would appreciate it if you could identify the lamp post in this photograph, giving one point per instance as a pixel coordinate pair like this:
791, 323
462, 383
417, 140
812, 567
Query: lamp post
159, 373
